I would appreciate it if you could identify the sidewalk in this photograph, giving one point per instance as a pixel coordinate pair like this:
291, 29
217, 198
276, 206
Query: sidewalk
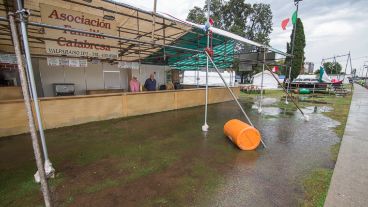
349, 184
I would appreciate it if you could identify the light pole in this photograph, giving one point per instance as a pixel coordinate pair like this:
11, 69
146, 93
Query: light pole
296, 2
366, 74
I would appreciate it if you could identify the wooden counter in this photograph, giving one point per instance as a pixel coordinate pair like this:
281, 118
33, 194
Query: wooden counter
10, 93
104, 91
71, 110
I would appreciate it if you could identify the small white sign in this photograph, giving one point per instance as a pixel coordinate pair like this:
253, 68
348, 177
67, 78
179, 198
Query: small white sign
135, 65
74, 63
64, 61
53, 61
83, 63
124, 65
8, 58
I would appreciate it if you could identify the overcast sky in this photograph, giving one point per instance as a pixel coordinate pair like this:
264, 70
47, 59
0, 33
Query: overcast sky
332, 27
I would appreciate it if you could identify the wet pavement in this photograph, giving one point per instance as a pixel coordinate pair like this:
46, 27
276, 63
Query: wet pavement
164, 159
349, 184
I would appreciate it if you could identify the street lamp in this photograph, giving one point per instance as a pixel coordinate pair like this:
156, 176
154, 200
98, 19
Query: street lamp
296, 3
366, 73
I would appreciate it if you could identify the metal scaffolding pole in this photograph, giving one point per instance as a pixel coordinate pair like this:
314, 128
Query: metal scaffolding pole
263, 68
306, 117
27, 102
205, 125
232, 93
48, 165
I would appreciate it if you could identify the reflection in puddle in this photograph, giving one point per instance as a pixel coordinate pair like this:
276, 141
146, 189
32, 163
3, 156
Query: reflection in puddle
265, 102
271, 111
317, 109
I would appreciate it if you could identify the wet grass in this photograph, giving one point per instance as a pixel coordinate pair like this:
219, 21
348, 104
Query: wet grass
137, 155
316, 187
317, 182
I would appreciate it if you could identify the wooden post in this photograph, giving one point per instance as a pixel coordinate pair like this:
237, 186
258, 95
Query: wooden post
31, 123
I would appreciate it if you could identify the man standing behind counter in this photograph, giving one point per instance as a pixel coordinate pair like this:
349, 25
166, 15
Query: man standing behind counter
150, 83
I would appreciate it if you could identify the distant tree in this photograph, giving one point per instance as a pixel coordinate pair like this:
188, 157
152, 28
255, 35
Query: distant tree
260, 23
299, 44
332, 67
316, 72
252, 21
196, 15
216, 12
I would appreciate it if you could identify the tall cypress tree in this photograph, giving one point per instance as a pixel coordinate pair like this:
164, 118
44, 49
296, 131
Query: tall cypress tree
299, 45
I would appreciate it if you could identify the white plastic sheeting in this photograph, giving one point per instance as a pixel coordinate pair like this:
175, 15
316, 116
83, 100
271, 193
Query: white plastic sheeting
190, 78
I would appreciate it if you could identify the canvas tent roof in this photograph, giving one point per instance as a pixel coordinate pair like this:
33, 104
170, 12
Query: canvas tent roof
137, 25
132, 23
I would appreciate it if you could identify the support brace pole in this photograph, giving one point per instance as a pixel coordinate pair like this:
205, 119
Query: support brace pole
287, 94
232, 94
48, 165
31, 123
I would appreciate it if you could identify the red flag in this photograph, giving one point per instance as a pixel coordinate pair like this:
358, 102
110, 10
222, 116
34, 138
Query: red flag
284, 23
275, 69
211, 21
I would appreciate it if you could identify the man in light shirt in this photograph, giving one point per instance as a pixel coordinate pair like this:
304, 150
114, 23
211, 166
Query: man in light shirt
134, 85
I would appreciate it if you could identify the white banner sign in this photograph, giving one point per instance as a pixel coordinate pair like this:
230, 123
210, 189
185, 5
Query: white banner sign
69, 62
128, 65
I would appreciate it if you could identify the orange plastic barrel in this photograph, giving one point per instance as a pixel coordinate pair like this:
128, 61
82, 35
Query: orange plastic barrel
244, 136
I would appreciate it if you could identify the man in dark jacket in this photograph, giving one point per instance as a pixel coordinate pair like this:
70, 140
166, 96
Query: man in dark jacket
150, 83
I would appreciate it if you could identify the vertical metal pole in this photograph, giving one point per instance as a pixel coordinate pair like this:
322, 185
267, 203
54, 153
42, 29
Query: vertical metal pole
366, 74
49, 169
346, 67
85, 80
139, 54
351, 64
27, 102
205, 125
232, 93
263, 67
197, 72
154, 20
335, 66
292, 51
103, 74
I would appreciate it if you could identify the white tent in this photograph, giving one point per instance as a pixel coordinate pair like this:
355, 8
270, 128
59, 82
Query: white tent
269, 81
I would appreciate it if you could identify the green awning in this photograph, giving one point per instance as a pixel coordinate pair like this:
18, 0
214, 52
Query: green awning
183, 60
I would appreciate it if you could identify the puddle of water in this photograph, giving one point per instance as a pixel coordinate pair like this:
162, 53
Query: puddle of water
271, 111
266, 101
164, 159
311, 99
317, 109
